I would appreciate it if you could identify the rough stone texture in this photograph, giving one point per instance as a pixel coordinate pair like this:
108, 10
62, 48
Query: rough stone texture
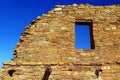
49, 42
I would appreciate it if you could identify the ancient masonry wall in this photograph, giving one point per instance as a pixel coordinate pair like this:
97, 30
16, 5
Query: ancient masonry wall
48, 44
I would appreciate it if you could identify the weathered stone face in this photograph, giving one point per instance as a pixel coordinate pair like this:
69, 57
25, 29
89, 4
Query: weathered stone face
49, 42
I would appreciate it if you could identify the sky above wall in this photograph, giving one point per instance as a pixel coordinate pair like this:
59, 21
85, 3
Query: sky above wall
16, 14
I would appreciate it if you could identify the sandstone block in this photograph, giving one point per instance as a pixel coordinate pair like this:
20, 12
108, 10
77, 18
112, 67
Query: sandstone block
117, 67
57, 9
61, 63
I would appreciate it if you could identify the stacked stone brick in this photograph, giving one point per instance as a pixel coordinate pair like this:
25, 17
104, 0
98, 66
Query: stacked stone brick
49, 42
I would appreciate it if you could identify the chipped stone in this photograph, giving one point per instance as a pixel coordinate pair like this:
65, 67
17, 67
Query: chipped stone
57, 9
107, 28
63, 28
39, 17
51, 30
75, 4
114, 28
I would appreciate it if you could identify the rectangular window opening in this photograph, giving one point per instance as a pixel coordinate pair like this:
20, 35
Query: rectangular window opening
84, 35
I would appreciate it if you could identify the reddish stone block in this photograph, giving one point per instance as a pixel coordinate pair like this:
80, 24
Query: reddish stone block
61, 63
18, 63
54, 41
46, 63
117, 67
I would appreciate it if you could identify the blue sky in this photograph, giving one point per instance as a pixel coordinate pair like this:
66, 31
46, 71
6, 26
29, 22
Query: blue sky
82, 37
16, 14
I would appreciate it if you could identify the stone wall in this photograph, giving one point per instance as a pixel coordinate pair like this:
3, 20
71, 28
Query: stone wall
48, 42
